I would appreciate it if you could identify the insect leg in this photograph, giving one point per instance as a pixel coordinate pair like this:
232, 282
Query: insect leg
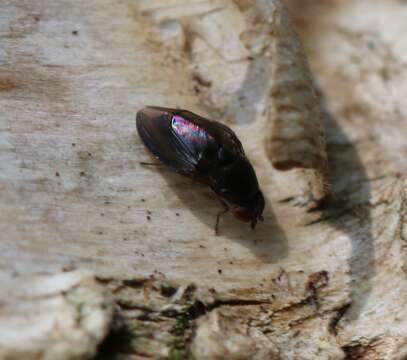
150, 164
220, 213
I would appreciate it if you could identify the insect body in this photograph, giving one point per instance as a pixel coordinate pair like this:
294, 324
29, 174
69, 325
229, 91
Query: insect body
206, 151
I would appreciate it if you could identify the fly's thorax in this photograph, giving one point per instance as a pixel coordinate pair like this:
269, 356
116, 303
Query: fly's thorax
208, 162
238, 182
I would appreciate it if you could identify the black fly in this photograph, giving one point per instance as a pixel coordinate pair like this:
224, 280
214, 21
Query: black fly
206, 151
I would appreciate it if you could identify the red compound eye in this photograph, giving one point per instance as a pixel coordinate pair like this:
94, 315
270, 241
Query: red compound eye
242, 214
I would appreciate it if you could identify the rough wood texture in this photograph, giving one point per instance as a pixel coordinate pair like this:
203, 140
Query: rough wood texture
295, 135
63, 316
327, 284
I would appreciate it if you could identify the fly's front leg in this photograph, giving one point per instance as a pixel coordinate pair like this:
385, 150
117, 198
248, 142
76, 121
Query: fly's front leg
220, 213
143, 163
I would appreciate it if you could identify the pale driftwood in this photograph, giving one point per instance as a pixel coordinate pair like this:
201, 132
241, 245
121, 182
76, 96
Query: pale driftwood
63, 316
295, 137
327, 284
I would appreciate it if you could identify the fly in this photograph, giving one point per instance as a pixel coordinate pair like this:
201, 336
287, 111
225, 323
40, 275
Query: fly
206, 151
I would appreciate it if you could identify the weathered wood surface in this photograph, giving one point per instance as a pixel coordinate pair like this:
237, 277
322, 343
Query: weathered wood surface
326, 284
62, 316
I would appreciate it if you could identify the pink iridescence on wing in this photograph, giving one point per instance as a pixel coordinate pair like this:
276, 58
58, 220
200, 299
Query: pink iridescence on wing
242, 214
187, 129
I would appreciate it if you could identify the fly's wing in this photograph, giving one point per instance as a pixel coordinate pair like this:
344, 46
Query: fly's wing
176, 141
227, 137
223, 135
